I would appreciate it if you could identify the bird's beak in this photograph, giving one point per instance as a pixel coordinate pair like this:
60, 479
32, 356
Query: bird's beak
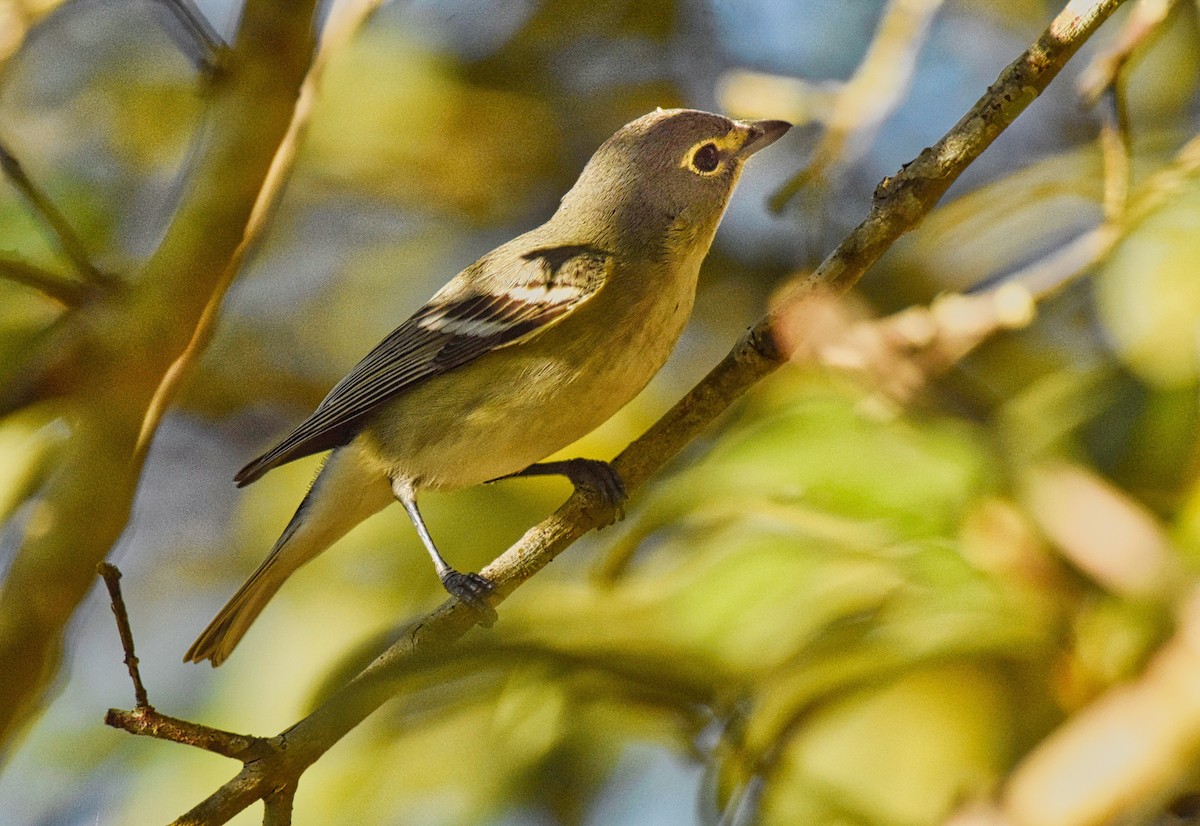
761, 134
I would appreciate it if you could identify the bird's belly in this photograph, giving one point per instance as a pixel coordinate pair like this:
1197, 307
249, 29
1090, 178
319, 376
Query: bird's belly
517, 405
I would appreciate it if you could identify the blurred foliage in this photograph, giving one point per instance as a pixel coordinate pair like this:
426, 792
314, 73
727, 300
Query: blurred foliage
836, 610
813, 626
365, 136
1149, 298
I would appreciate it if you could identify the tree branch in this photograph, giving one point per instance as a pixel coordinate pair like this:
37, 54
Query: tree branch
146, 721
120, 344
1143, 21
901, 201
345, 20
50, 215
278, 811
879, 85
65, 291
194, 35
112, 580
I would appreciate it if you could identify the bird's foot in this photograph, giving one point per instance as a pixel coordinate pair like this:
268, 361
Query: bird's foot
599, 478
591, 475
473, 590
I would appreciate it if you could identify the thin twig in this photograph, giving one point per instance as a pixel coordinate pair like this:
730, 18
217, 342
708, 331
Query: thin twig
146, 721
930, 340
901, 202
50, 215
347, 18
878, 86
1144, 20
112, 579
198, 39
1116, 147
1103, 82
65, 291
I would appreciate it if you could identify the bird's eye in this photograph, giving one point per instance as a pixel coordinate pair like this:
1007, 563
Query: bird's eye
707, 158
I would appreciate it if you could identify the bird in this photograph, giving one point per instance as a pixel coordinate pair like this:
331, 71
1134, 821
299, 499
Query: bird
529, 348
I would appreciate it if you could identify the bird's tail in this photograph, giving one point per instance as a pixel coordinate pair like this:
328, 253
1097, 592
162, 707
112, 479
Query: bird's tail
218, 640
345, 492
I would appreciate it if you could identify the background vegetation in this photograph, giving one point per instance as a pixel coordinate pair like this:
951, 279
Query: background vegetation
942, 568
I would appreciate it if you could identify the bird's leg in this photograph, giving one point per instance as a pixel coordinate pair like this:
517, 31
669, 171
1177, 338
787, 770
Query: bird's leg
591, 474
471, 588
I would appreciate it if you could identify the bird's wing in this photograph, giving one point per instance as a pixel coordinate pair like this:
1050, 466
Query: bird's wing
457, 326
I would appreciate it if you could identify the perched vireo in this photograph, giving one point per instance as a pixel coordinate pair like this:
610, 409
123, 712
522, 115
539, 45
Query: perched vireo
531, 347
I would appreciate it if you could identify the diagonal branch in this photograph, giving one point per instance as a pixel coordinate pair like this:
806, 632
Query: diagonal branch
50, 215
112, 581
145, 720
877, 88
194, 35
117, 346
346, 19
900, 203
1144, 21
63, 290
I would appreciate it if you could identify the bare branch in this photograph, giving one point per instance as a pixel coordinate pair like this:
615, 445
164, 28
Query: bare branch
112, 580
1144, 21
65, 291
903, 351
50, 215
901, 201
278, 806
875, 91
144, 719
346, 19
117, 346
148, 722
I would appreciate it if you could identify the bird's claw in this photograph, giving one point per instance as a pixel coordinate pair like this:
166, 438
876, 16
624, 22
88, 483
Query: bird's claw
591, 475
602, 479
473, 590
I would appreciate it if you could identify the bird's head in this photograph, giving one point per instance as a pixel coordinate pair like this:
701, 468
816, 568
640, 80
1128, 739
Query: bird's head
666, 178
